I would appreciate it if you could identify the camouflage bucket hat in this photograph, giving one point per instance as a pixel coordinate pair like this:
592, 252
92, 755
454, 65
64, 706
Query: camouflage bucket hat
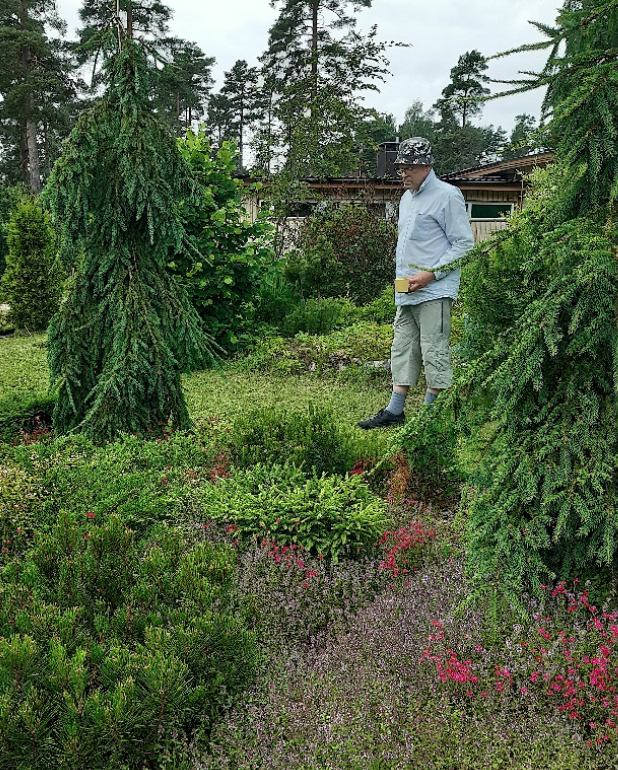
414, 151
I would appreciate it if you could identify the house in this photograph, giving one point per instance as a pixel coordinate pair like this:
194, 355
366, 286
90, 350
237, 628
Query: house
494, 190
491, 191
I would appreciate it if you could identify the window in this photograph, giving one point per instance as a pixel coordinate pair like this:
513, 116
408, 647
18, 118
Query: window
489, 210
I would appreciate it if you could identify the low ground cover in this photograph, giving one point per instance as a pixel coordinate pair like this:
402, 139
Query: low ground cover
176, 632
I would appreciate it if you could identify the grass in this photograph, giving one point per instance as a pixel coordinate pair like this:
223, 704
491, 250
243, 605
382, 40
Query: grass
23, 365
345, 681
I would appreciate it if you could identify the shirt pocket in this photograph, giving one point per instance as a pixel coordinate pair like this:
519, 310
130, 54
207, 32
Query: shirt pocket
424, 226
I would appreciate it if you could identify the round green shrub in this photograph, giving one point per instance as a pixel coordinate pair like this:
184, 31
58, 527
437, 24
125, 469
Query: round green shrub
327, 515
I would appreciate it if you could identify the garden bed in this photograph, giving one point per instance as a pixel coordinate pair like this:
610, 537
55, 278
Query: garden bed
250, 594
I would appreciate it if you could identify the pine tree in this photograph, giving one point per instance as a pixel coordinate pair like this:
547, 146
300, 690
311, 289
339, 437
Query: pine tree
126, 330
462, 97
182, 83
37, 88
104, 20
242, 101
532, 417
318, 66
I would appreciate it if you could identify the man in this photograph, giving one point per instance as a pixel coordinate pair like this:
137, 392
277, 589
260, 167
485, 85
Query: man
433, 232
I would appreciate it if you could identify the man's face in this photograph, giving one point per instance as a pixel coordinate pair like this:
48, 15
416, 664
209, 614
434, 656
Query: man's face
413, 176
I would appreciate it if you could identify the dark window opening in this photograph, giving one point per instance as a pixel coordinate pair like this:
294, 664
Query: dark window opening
489, 210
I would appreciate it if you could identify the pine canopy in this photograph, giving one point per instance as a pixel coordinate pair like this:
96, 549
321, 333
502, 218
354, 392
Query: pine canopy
127, 330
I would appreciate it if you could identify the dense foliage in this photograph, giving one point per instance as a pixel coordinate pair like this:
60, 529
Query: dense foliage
349, 250
32, 281
109, 645
10, 196
229, 253
536, 401
127, 329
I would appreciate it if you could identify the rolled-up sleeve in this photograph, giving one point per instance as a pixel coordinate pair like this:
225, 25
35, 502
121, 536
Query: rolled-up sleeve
457, 229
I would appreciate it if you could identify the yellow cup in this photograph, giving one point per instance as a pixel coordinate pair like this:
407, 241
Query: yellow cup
401, 285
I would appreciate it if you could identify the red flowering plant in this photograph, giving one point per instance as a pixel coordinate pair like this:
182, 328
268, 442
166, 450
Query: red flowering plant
568, 657
403, 546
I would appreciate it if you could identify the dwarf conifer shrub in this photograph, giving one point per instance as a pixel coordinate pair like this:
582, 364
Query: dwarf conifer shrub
32, 281
542, 343
325, 514
109, 646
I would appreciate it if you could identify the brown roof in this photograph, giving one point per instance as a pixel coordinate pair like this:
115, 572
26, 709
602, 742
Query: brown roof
502, 170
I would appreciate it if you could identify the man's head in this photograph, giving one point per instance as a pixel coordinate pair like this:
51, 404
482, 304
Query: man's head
414, 161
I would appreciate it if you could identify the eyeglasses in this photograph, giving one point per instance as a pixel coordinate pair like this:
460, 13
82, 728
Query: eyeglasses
401, 170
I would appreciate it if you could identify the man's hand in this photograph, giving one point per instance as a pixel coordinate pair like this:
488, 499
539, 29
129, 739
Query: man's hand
420, 280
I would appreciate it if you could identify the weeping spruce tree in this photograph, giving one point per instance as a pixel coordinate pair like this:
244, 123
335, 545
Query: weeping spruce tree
126, 330
532, 419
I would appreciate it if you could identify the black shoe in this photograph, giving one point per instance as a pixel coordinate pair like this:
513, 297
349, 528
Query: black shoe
382, 419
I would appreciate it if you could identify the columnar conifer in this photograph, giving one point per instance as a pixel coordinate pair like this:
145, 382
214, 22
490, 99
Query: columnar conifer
126, 330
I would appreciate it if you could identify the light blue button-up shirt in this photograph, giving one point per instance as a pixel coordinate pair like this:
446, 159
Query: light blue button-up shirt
434, 230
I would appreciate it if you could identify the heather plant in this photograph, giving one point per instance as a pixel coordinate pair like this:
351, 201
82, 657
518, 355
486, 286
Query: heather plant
108, 644
327, 515
301, 597
127, 329
366, 698
537, 394
563, 658
32, 281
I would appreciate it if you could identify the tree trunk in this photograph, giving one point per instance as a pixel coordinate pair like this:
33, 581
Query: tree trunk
30, 127
314, 58
23, 151
241, 129
34, 171
129, 21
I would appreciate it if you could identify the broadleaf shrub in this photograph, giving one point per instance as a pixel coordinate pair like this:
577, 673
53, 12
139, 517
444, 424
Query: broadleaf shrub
232, 252
363, 243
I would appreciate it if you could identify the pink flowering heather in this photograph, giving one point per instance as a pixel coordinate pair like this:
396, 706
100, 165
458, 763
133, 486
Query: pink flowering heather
568, 659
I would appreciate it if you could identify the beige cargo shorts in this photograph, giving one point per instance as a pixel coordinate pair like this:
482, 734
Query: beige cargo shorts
421, 339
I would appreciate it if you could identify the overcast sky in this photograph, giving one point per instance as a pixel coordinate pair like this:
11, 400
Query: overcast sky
439, 31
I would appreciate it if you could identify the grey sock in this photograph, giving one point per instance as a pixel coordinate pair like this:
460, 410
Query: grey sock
395, 405
430, 397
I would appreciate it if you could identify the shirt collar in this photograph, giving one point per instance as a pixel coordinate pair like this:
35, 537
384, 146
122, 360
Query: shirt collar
426, 182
